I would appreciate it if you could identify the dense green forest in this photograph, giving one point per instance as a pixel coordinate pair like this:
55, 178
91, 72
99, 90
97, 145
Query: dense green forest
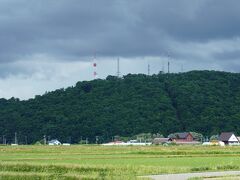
207, 102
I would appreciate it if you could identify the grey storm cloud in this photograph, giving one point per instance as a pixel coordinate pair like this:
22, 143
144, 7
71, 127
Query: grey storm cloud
76, 29
49, 44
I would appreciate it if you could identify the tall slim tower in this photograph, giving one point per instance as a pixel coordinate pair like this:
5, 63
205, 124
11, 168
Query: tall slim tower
94, 67
118, 68
168, 58
148, 69
168, 67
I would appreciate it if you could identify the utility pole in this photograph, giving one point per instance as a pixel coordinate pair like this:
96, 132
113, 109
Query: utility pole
15, 139
3, 139
44, 140
96, 139
207, 139
26, 140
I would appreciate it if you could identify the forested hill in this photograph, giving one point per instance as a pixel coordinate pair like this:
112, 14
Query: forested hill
207, 102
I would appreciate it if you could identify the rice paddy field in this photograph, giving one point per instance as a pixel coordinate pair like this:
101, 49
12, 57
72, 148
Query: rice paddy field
112, 162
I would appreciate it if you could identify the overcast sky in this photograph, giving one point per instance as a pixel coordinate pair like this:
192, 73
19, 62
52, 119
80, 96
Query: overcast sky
50, 44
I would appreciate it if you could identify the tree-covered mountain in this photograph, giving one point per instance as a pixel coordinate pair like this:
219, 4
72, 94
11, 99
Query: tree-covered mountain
203, 101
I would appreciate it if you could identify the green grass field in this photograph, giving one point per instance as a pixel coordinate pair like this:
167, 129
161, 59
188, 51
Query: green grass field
99, 162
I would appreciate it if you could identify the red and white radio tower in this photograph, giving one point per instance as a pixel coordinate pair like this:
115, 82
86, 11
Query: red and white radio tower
94, 68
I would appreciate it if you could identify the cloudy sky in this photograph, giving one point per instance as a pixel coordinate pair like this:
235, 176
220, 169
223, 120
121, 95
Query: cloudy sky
50, 44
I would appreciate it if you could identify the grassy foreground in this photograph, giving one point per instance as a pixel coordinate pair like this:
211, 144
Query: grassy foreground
98, 162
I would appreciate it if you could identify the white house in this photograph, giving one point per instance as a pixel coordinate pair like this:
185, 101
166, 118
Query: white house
229, 138
54, 142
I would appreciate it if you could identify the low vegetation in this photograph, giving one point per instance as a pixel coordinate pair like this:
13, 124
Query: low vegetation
98, 162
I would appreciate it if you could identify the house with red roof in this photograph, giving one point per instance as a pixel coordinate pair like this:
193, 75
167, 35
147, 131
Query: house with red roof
183, 138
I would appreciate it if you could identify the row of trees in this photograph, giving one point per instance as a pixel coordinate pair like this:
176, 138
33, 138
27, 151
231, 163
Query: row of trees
142, 137
203, 101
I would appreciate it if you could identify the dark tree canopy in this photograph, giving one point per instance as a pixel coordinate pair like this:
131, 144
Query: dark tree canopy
207, 102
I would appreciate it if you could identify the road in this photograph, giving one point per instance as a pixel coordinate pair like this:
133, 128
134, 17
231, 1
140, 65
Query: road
190, 175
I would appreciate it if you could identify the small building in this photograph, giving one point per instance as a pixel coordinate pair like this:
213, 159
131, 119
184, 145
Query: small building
184, 136
133, 141
14, 144
66, 144
54, 142
228, 138
161, 140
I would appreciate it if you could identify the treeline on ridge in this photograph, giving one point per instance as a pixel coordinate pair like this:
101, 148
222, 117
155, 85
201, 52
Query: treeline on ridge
207, 102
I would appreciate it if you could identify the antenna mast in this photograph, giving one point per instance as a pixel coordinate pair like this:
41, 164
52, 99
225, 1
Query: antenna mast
118, 68
168, 56
168, 67
148, 69
94, 67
